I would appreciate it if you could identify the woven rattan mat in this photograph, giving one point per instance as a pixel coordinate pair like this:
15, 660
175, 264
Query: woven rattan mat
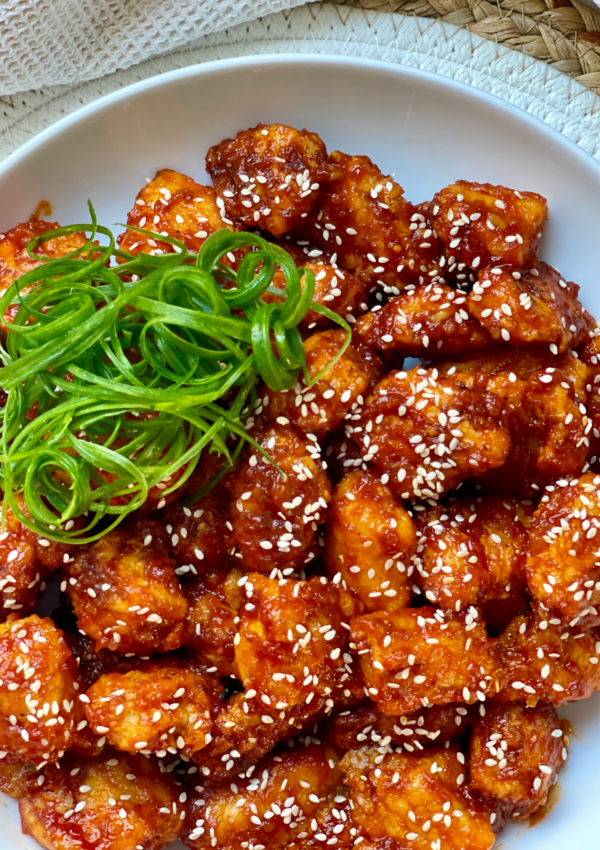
489, 47
562, 33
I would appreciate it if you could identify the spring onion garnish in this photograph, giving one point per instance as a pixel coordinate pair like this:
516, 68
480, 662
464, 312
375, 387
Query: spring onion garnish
119, 376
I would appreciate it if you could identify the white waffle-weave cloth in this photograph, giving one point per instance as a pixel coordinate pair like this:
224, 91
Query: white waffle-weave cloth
48, 42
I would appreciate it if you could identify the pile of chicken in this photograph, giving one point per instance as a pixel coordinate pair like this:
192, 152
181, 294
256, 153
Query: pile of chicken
369, 651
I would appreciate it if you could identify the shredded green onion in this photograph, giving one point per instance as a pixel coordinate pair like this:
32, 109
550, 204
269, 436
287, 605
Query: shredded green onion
94, 346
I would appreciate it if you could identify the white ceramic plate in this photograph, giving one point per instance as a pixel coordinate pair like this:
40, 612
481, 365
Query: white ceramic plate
428, 130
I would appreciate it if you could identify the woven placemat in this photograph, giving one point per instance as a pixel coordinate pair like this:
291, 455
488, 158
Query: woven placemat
563, 33
339, 29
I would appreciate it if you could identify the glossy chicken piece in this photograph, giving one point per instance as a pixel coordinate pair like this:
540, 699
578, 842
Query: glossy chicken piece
335, 288
515, 754
429, 432
157, 709
274, 518
330, 825
526, 307
365, 725
472, 550
172, 205
342, 456
542, 402
563, 568
125, 592
543, 660
39, 688
26, 560
210, 628
270, 806
268, 176
15, 261
480, 224
378, 236
322, 407
423, 656
16, 775
416, 801
292, 657
112, 802
200, 534
589, 354
369, 542
427, 321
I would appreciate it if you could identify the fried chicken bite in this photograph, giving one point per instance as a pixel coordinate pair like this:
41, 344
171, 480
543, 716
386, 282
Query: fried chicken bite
268, 176
125, 592
563, 567
16, 775
15, 261
291, 654
515, 754
200, 534
472, 550
525, 307
158, 709
275, 517
39, 687
335, 288
378, 236
543, 660
418, 801
480, 224
365, 725
112, 802
214, 600
172, 205
423, 656
542, 402
342, 455
322, 407
428, 432
271, 805
369, 542
589, 353
425, 321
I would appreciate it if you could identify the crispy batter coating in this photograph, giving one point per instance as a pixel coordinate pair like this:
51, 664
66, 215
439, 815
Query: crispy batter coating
322, 407
426, 321
335, 288
365, 725
429, 432
292, 657
378, 236
210, 628
112, 802
515, 754
200, 535
172, 205
274, 518
369, 542
416, 801
472, 550
39, 689
525, 307
544, 660
589, 354
125, 592
423, 656
480, 224
542, 401
563, 569
15, 261
271, 806
158, 709
268, 176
